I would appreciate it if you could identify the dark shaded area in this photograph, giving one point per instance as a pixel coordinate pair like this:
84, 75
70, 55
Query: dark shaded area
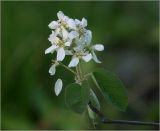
129, 31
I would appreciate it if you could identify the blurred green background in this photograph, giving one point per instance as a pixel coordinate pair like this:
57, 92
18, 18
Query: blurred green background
129, 31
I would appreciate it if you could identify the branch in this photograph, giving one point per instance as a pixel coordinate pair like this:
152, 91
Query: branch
109, 121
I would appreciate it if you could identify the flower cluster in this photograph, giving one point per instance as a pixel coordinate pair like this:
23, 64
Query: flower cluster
70, 37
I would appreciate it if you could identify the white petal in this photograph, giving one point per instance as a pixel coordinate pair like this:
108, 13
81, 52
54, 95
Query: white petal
65, 19
98, 47
60, 54
52, 37
52, 69
71, 24
68, 43
84, 22
56, 40
74, 62
79, 48
50, 49
87, 58
53, 25
88, 37
64, 33
80, 41
53, 34
58, 86
77, 22
95, 58
68, 52
58, 30
60, 15
73, 34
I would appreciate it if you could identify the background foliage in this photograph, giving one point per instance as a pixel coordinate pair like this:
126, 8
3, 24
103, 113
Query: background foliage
129, 31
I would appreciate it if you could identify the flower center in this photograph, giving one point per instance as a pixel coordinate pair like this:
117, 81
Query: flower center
58, 42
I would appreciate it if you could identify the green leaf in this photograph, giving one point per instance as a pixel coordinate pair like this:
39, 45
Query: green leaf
77, 97
94, 100
112, 88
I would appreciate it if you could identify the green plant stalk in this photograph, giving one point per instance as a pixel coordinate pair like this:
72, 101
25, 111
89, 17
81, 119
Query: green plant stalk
80, 70
66, 67
90, 112
93, 78
78, 74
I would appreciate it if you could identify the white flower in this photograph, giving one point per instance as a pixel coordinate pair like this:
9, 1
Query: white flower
75, 60
70, 37
88, 37
62, 18
64, 33
51, 49
85, 37
58, 86
71, 24
52, 69
73, 34
53, 37
53, 25
63, 21
60, 54
87, 57
81, 24
95, 57
68, 52
77, 22
60, 15
67, 36
97, 47
59, 44
84, 22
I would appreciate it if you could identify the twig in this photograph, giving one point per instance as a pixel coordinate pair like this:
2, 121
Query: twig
67, 68
109, 121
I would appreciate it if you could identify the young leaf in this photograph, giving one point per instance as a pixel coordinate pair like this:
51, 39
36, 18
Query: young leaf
112, 88
94, 100
77, 97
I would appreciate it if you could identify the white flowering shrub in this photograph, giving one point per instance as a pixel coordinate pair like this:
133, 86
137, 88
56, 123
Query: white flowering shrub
70, 37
